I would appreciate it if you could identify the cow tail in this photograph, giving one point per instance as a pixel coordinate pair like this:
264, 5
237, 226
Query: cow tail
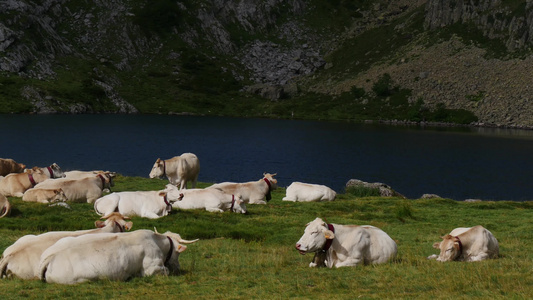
6, 209
44, 267
3, 267
96, 209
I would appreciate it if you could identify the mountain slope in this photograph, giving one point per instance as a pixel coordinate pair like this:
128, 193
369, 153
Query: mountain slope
436, 60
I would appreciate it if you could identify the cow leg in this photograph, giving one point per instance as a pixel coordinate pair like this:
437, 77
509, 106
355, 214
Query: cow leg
349, 262
150, 215
479, 257
154, 267
260, 201
214, 209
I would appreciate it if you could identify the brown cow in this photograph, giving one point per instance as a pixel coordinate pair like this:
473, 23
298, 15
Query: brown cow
16, 184
7, 166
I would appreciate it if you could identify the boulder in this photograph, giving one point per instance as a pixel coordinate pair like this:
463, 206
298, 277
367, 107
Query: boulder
384, 190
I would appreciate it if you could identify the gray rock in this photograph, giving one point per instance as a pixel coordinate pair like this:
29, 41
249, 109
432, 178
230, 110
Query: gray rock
430, 196
384, 190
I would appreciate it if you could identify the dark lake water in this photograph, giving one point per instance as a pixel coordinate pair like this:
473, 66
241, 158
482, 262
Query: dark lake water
458, 163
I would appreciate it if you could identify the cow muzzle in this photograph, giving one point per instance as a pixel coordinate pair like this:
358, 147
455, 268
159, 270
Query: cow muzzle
302, 252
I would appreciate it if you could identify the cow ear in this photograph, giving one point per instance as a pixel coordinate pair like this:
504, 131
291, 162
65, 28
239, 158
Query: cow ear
456, 245
162, 194
181, 248
99, 224
436, 245
329, 234
128, 225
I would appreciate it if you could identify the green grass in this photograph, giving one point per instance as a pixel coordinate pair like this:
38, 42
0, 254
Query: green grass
252, 256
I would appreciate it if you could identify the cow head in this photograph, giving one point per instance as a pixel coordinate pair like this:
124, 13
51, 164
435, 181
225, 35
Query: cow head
450, 248
173, 193
158, 169
314, 238
59, 196
239, 206
110, 176
273, 182
115, 219
171, 261
18, 168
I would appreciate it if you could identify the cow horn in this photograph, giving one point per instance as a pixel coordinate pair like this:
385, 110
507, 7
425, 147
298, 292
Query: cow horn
155, 230
187, 242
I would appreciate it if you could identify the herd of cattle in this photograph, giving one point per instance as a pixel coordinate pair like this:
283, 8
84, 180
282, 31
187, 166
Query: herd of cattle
108, 251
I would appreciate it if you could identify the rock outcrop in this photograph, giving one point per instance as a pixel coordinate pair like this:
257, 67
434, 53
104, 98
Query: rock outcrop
384, 189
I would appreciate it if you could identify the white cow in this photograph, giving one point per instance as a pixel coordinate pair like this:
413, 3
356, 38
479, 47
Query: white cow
5, 206
179, 170
306, 192
467, 244
22, 258
147, 204
80, 190
44, 195
253, 192
15, 184
76, 174
346, 245
212, 200
53, 171
112, 256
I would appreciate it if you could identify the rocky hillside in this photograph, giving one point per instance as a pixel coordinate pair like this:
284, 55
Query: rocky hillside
270, 58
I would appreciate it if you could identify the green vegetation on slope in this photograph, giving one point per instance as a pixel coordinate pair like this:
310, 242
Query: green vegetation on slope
253, 256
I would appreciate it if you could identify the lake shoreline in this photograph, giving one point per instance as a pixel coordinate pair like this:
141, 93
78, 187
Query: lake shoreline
421, 124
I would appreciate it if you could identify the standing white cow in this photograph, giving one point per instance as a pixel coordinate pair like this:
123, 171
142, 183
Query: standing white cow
307, 192
112, 256
179, 170
346, 245
22, 258
147, 204
212, 200
467, 244
254, 192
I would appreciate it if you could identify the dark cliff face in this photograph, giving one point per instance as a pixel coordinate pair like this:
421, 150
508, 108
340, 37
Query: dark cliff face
509, 21
118, 56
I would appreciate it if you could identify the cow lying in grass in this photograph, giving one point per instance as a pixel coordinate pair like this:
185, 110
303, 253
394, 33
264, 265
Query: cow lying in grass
112, 256
213, 200
22, 258
345, 245
467, 244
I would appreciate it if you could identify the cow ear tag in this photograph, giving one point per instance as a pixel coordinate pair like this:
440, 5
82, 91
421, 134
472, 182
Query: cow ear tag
181, 248
329, 235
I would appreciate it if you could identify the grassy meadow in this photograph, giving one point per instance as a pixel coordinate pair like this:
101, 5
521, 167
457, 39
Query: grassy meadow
252, 256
